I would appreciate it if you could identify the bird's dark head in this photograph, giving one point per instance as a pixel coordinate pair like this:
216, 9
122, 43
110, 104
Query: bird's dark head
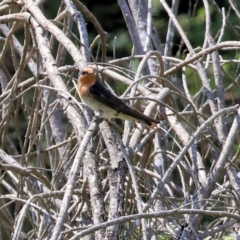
87, 71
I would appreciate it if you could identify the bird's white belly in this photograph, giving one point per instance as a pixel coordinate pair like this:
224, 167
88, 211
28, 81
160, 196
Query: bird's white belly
103, 111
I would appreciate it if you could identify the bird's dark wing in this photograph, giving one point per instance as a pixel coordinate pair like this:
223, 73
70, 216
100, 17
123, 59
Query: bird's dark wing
103, 95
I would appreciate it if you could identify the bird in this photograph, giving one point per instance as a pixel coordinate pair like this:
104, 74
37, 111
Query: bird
104, 103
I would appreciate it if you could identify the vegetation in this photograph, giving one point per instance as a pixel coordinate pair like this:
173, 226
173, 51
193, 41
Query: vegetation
67, 175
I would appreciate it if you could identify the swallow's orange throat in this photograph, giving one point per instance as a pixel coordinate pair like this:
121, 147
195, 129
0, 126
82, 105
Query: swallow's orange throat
86, 80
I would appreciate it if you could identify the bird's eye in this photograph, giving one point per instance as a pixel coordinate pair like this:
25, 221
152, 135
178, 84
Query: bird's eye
84, 72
